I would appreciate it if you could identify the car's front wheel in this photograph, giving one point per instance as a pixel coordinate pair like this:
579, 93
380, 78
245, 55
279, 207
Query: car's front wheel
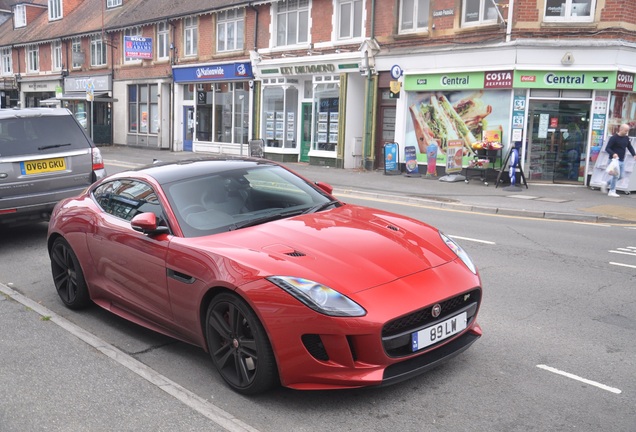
239, 346
68, 276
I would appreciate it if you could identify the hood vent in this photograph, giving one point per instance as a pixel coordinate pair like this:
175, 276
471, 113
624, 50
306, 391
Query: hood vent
393, 227
295, 254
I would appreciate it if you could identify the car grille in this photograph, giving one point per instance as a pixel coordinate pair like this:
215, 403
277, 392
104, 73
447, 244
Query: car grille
396, 334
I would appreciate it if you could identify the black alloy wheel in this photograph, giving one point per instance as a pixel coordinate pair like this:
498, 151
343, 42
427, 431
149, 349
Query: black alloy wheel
68, 276
239, 346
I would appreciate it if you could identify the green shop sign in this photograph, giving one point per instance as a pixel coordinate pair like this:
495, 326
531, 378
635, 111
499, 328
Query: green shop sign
584, 80
450, 81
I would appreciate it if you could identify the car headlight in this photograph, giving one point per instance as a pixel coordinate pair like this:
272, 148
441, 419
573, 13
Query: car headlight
461, 253
318, 297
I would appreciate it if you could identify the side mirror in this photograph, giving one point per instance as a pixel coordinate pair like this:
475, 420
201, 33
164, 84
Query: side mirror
325, 187
147, 223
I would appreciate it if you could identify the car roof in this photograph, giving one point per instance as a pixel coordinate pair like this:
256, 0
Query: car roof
9, 113
167, 172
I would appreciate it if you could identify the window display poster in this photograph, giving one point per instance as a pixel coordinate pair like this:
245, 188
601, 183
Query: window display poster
439, 117
599, 108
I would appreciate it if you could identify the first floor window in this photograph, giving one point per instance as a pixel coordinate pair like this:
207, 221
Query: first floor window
229, 30
33, 58
135, 31
7, 61
76, 52
143, 108
569, 10
350, 19
56, 58
163, 40
190, 37
477, 12
292, 22
414, 15
98, 51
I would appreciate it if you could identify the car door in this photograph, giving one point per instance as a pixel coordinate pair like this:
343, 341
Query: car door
129, 264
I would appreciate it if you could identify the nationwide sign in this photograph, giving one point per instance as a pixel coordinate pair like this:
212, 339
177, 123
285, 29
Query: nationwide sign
216, 72
137, 47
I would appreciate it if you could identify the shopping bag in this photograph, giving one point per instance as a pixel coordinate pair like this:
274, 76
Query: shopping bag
613, 169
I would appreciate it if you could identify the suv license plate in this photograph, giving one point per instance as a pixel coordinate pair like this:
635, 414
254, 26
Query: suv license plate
43, 166
438, 332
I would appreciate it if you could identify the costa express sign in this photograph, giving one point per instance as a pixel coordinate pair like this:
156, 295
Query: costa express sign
625, 81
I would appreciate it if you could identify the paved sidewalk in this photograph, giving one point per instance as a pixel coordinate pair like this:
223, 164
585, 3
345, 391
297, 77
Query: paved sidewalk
568, 202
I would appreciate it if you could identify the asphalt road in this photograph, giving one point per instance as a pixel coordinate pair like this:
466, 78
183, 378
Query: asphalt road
557, 352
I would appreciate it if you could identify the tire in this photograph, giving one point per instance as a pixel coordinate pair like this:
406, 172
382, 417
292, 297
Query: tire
239, 346
68, 276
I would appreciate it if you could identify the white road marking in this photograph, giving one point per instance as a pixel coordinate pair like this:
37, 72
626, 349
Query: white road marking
623, 265
472, 239
622, 253
578, 378
222, 418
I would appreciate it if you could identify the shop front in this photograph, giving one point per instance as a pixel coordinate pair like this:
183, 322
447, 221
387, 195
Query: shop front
311, 110
213, 105
36, 89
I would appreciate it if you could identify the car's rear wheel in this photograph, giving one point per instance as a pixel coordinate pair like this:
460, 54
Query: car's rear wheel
68, 276
239, 346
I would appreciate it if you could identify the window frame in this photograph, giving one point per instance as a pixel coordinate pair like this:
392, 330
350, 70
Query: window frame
145, 96
284, 9
570, 18
113, 3
353, 20
55, 8
98, 51
223, 22
414, 13
480, 21
19, 14
56, 55
33, 58
6, 56
163, 40
76, 43
190, 36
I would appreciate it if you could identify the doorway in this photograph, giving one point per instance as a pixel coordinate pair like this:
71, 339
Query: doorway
188, 127
557, 140
305, 132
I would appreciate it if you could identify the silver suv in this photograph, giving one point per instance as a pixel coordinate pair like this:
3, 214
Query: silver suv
45, 156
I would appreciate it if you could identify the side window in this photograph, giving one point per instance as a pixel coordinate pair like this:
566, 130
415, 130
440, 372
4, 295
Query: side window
127, 198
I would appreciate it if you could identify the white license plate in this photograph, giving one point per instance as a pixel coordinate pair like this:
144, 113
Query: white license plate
438, 332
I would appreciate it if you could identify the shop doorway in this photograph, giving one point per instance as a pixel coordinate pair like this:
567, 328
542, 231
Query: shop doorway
557, 140
188, 127
305, 133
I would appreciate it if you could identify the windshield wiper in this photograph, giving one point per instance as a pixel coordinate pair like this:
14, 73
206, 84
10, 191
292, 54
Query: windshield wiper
263, 219
53, 146
321, 206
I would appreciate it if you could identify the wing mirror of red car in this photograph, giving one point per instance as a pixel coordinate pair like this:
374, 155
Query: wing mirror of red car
147, 223
325, 186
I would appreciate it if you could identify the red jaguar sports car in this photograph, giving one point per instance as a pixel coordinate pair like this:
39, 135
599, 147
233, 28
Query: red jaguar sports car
280, 282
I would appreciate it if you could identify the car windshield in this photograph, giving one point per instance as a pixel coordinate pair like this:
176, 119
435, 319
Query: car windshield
40, 135
230, 200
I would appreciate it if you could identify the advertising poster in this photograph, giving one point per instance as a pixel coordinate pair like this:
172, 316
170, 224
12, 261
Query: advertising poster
391, 158
410, 159
454, 156
440, 117
431, 155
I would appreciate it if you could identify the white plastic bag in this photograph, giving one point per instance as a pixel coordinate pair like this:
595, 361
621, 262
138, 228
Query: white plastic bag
613, 169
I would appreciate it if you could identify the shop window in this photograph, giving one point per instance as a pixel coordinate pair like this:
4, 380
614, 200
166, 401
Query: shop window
292, 22
143, 109
414, 16
222, 112
478, 12
350, 19
279, 114
569, 10
327, 118
229, 30
188, 92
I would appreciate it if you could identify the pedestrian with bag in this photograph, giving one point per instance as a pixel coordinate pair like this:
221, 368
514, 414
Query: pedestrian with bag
617, 147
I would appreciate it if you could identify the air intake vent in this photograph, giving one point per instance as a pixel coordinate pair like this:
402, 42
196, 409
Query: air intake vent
295, 254
392, 227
